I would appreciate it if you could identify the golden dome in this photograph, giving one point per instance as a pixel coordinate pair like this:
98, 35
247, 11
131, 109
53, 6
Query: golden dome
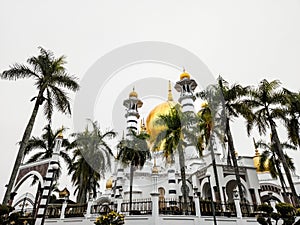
256, 160
109, 183
152, 128
133, 93
185, 75
162, 109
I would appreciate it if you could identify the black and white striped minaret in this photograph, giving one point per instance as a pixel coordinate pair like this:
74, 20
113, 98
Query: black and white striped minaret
132, 115
172, 183
186, 87
48, 181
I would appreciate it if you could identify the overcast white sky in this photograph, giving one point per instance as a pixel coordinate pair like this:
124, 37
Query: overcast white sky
244, 41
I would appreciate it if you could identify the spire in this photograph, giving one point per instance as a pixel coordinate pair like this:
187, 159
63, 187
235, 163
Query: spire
60, 134
170, 96
143, 127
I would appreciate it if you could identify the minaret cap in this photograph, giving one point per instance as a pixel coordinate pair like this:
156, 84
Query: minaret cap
133, 93
184, 75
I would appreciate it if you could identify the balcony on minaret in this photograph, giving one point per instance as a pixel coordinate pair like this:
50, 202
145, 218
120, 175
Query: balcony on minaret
132, 104
186, 87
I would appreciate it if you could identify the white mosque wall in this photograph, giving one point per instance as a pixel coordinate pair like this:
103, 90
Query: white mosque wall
162, 220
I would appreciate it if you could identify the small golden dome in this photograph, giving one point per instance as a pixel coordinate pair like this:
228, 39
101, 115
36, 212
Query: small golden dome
185, 75
155, 169
204, 104
109, 183
133, 93
256, 161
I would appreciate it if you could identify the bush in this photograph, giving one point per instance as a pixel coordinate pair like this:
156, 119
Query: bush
265, 208
286, 210
261, 220
111, 218
298, 212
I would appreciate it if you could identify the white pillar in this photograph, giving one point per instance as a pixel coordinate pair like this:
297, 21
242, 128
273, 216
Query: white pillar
236, 199
119, 203
88, 209
257, 196
154, 199
63, 210
197, 205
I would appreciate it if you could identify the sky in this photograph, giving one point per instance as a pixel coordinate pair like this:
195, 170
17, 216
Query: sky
243, 41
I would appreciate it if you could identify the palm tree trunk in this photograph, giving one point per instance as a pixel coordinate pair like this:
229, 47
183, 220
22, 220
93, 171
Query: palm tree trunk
217, 191
130, 188
23, 144
183, 177
279, 151
281, 178
234, 161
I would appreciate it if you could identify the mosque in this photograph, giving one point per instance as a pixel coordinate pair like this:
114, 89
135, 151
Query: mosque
157, 194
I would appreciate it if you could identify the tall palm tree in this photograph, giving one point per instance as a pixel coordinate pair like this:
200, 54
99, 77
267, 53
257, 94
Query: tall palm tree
266, 102
51, 80
269, 160
228, 104
134, 152
207, 135
292, 111
91, 159
173, 139
46, 145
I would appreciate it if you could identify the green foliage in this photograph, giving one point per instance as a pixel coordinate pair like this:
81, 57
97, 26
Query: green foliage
111, 218
265, 207
286, 210
4, 210
261, 220
298, 212
91, 159
275, 216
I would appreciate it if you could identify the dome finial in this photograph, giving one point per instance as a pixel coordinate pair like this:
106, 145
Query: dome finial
184, 74
170, 96
133, 93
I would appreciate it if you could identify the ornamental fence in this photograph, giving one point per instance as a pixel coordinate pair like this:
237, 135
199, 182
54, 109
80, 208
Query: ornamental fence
138, 207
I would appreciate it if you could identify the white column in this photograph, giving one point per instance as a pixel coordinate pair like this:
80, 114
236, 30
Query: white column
119, 204
236, 199
63, 210
154, 199
88, 209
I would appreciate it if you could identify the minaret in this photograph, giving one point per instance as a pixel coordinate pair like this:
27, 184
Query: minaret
49, 178
132, 115
186, 87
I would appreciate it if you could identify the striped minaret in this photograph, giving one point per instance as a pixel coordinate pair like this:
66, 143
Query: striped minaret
172, 183
132, 115
119, 183
186, 87
48, 181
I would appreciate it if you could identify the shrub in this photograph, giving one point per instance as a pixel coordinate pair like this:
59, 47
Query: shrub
111, 218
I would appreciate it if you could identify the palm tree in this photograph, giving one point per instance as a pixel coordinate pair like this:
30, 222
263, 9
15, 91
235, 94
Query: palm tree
269, 160
133, 152
232, 106
292, 110
51, 80
266, 102
46, 144
91, 159
173, 139
207, 135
